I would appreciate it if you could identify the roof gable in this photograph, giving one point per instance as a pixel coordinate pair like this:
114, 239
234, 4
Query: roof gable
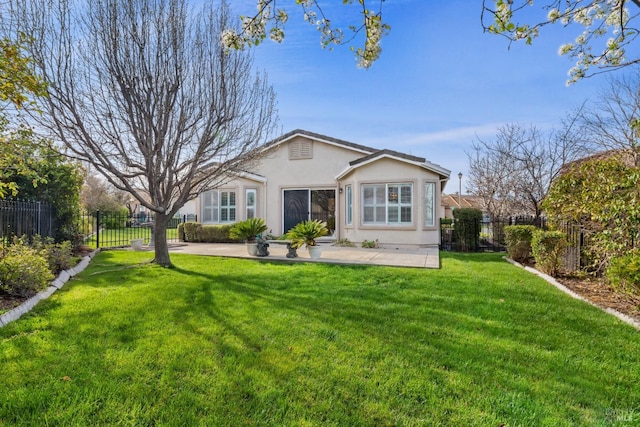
320, 138
401, 157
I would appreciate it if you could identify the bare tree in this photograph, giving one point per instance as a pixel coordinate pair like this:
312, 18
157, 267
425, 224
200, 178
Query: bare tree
514, 172
490, 175
97, 196
145, 93
612, 120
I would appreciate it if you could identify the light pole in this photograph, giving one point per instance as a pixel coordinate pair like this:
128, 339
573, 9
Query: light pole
460, 189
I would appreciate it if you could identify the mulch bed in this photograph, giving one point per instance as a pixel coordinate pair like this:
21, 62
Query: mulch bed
7, 302
603, 295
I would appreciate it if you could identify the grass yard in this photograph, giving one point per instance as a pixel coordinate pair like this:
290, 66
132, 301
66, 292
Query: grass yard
240, 342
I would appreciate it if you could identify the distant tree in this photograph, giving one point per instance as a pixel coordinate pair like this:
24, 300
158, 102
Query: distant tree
59, 181
18, 83
492, 177
611, 119
144, 92
18, 86
513, 172
99, 195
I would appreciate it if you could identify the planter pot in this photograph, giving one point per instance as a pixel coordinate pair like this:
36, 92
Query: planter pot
314, 252
136, 244
252, 249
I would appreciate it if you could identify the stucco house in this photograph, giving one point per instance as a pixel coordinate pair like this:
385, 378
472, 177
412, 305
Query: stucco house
361, 192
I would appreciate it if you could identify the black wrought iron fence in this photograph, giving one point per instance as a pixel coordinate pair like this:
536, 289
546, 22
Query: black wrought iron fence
115, 229
488, 235
22, 218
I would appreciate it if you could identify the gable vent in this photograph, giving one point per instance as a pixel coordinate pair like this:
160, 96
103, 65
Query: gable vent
300, 149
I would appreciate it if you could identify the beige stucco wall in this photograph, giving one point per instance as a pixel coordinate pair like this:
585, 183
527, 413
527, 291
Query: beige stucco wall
316, 173
386, 171
282, 173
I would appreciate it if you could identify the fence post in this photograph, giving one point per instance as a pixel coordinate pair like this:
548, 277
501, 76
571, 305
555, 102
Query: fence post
97, 229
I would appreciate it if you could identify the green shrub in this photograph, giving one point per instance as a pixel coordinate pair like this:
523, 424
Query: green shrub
518, 239
248, 230
623, 272
59, 256
195, 232
191, 232
344, 243
370, 244
446, 221
23, 271
548, 249
114, 220
306, 233
467, 228
217, 234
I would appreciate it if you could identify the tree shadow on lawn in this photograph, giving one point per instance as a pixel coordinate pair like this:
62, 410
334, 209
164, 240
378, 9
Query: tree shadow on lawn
450, 343
383, 325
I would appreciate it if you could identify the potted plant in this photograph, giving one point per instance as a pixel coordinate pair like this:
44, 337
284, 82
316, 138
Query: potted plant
306, 233
248, 231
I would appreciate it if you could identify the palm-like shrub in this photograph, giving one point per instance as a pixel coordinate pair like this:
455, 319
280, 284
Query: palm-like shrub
248, 229
306, 233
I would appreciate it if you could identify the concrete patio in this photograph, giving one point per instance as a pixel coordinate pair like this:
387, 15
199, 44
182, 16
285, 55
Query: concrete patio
390, 256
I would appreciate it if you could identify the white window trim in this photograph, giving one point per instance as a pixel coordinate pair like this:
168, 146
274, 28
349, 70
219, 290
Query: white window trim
388, 205
248, 207
216, 207
349, 204
430, 185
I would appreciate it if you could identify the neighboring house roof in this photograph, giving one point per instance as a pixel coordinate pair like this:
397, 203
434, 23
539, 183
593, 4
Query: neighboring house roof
466, 201
390, 154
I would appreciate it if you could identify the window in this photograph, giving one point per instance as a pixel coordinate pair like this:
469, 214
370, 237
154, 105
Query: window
387, 204
349, 204
429, 204
219, 206
251, 203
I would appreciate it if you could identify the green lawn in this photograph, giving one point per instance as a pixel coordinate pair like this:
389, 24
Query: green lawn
240, 342
114, 237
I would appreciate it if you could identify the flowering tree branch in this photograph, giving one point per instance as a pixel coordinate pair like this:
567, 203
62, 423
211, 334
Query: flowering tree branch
607, 30
270, 20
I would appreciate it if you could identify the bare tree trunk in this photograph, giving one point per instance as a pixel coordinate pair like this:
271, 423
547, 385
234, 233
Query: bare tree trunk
160, 240
144, 92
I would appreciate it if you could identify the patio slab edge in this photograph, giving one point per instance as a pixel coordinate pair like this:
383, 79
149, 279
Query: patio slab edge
57, 283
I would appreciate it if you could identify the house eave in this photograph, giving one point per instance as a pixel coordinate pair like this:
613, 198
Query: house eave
320, 138
431, 167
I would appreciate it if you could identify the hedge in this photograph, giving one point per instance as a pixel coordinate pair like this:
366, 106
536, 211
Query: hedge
195, 232
518, 239
548, 249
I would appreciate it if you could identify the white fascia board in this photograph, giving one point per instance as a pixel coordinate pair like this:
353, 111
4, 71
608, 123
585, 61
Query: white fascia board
426, 165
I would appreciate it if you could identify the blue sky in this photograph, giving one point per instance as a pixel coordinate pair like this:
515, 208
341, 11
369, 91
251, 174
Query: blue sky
439, 85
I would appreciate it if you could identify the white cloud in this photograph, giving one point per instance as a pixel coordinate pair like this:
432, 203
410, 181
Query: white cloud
463, 135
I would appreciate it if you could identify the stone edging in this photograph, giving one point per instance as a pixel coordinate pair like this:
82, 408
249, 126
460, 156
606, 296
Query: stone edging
554, 282
58, 283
